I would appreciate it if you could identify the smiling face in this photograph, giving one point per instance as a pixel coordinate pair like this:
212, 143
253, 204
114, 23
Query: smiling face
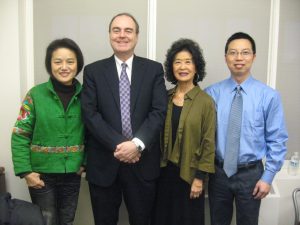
184, 68
239, 59
123, 36
64, 65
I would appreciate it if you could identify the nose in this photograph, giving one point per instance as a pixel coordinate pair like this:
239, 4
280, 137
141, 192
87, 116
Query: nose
122, 33
239, 56
182, 66
64, 66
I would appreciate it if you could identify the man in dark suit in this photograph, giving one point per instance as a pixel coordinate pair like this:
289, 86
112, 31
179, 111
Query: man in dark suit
123, 104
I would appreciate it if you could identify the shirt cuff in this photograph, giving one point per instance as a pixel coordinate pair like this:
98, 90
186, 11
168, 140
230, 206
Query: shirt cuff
22, 175
268, 176
200, 175
139, 142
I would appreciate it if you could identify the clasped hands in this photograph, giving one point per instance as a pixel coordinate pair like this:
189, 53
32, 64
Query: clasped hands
127, 152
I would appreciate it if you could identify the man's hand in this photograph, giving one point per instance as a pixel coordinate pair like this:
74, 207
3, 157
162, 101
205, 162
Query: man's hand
127, 152
196, 189
261, 189
33, 180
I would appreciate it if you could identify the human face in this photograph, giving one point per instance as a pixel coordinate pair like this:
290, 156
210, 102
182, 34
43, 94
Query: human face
123, 37
184, 68
239, 59
64, 65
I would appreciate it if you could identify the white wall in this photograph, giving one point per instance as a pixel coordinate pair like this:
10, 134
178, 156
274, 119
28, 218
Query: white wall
10, 90
288, 73
14, 81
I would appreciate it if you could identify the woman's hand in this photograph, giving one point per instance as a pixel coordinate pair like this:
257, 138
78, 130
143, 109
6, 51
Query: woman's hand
81, 170
196, 189
33, 180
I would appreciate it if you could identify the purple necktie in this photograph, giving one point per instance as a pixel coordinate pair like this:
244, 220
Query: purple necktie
124, 88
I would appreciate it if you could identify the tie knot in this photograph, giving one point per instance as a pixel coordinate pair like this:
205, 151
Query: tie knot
238, 89
123, 66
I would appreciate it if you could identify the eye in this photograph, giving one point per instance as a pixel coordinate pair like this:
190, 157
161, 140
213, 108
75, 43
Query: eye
129, 30
232, 53
71, 61
116, 30
246, 53
57, 62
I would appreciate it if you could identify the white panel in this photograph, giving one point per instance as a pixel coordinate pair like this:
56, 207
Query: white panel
10, 91
151, 34
288, 72
26, 45
273, 43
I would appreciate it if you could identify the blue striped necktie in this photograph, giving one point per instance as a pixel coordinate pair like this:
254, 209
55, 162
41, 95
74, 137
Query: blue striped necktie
233, 134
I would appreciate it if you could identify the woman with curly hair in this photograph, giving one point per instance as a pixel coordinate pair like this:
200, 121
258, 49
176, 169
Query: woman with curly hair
188, 140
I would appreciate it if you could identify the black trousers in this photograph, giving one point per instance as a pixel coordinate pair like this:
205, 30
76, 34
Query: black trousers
223, 191
138, 195
58, 199
173, 205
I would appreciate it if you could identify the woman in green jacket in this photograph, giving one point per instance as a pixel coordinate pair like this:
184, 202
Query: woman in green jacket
47, 140
188, 139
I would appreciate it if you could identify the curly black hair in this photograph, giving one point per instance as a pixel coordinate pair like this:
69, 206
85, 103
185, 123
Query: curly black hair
192, 47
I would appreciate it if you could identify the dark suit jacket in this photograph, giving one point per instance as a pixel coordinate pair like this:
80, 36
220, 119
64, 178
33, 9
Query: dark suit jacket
102, 117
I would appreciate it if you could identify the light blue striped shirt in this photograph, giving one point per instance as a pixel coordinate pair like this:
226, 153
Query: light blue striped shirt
263, 130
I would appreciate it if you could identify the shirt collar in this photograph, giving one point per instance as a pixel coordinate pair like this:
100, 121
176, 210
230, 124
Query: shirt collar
245, 85
128, 62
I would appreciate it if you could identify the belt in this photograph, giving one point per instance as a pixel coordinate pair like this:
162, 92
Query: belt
240, 166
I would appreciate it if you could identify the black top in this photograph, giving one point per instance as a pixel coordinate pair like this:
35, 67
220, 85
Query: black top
175, 122
64, 92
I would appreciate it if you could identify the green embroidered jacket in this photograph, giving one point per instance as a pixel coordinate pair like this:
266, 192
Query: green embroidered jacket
46, 138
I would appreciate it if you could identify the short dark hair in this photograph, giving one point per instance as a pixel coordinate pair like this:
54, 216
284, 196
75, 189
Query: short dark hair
125, 14
63, 43
241, 35
197, 57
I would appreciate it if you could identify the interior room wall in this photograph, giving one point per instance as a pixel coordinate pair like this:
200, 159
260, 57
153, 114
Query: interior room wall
288, 70
10, 90
208, 22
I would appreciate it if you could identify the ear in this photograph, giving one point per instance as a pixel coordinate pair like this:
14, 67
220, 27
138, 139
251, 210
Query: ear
225, 57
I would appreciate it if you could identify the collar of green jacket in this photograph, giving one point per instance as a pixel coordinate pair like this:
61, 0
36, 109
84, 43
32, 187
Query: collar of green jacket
189, 95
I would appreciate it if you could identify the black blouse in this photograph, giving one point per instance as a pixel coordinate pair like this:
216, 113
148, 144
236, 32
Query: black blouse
175, 122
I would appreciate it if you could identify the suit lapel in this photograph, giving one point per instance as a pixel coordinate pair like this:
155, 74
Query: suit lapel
138, 74
112, 78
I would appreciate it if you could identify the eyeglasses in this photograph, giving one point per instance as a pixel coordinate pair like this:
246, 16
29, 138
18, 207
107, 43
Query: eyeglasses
244, 53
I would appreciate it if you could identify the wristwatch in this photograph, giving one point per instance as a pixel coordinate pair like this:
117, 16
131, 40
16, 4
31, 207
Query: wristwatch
138, 147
